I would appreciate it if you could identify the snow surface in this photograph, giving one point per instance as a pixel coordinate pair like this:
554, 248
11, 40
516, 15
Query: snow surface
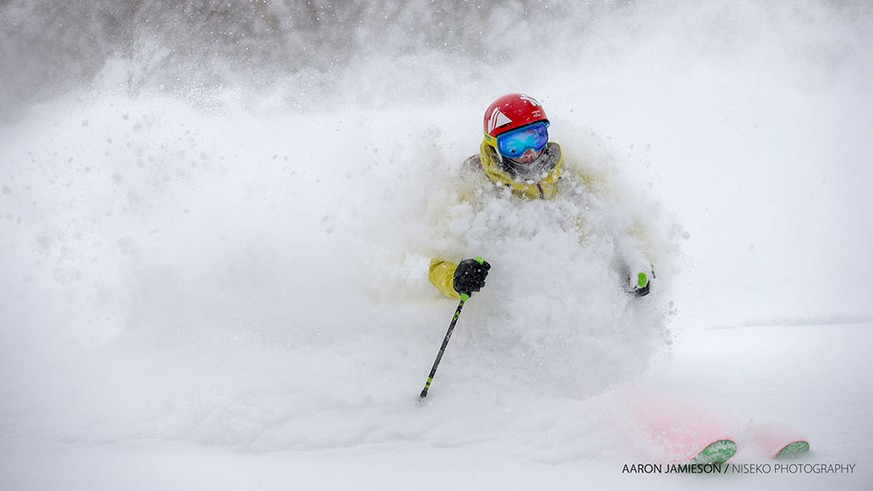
228, 290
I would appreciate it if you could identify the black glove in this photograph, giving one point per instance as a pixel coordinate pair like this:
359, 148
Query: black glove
470, 276
642, 292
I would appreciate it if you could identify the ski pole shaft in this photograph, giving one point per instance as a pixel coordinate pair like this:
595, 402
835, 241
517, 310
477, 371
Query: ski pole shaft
436, 363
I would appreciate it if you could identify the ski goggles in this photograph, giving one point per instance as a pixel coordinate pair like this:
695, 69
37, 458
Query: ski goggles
514, 143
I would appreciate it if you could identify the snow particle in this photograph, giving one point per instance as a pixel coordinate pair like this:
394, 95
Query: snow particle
126, 244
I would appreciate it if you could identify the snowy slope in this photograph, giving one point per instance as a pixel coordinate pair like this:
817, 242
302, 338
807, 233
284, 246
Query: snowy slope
228, 290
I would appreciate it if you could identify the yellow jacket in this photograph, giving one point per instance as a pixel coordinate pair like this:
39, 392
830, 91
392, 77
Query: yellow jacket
442, 271
546, 188
442, 276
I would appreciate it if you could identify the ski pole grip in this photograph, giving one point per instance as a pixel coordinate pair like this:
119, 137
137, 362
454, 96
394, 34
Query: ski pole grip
465, 295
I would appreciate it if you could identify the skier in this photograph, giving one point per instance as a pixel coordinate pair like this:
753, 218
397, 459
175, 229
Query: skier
516, 152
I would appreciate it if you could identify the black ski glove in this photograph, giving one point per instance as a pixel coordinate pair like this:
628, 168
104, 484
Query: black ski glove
470, 275
642, 292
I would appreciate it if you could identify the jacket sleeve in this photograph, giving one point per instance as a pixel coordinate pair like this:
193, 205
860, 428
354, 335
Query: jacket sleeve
442, 276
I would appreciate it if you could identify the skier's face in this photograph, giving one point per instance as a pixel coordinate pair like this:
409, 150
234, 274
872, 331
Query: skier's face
528, 157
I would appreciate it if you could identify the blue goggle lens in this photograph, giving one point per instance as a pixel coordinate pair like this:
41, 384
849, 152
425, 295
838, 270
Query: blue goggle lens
514, 143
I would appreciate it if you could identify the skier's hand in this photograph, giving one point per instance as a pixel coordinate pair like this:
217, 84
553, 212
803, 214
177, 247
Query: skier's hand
640, 284
470, 275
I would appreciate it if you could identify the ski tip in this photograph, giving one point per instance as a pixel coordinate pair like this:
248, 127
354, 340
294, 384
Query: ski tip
793, 449
717, 452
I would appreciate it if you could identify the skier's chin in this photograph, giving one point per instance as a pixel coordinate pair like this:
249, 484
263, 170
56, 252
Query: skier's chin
527, 158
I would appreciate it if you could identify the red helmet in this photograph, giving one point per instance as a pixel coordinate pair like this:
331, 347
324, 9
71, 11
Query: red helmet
510, 112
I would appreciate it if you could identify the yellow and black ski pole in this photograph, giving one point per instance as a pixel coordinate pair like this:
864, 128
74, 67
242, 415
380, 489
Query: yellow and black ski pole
436, 363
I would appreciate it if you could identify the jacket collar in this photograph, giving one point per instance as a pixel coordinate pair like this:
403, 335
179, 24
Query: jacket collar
499, 173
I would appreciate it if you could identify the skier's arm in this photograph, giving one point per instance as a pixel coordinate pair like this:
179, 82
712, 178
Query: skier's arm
635, 252
452, 279
442, 272
441, 275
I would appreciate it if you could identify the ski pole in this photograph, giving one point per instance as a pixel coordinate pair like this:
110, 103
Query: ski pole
436, 363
